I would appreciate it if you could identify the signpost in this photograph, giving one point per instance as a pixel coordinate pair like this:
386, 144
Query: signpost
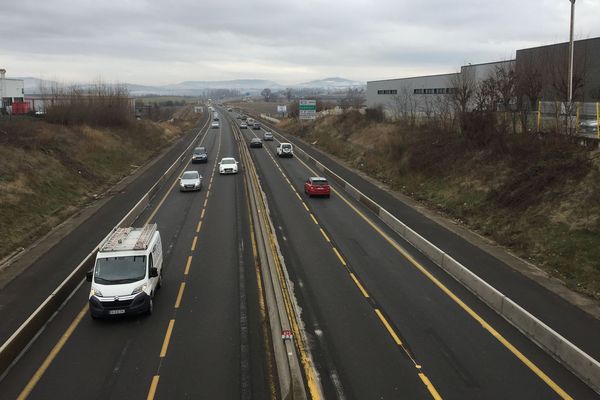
281, 109
308, 109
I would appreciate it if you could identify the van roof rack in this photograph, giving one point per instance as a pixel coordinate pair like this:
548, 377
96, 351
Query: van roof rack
123, 239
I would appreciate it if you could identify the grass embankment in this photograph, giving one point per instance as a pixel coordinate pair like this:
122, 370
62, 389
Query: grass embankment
539, 197
49, 171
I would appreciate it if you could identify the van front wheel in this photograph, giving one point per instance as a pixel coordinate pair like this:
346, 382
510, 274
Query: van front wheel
150, 306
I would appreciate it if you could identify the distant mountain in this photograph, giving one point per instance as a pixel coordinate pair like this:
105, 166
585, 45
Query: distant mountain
239, 84
331, 83
197, 88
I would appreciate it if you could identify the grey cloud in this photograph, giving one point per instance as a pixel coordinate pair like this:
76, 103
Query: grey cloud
293, 41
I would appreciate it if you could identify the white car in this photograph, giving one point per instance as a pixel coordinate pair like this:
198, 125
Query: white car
228, 165
285, 150
243, 125
190, 180
215, 125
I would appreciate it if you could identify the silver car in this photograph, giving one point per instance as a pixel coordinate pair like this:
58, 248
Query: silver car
190, 180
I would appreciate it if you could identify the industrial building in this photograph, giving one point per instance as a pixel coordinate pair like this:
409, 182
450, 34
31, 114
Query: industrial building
545, 64
12, 93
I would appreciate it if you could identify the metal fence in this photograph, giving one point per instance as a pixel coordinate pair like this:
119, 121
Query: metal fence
581, 118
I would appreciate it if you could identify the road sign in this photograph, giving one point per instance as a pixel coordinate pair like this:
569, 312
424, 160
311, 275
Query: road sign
308, 109
281, 109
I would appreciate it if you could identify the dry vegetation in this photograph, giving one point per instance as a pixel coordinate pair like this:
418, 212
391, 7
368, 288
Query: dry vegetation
535, 194
50, 170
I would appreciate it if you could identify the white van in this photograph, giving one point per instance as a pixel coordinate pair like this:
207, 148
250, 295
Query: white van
127, 272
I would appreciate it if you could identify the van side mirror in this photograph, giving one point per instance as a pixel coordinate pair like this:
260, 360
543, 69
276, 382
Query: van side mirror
153, 272
89, 275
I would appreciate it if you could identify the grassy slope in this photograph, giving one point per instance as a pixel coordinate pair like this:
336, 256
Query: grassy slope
47, 172
541, 199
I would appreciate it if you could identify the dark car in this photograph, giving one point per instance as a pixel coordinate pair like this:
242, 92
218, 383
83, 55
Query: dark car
244, 117
317, 186
199, 155
256, 142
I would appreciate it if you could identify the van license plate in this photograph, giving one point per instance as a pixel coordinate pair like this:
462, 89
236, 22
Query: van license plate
113, 312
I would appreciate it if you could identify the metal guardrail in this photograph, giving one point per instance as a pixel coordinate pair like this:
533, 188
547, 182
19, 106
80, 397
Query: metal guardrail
22, 338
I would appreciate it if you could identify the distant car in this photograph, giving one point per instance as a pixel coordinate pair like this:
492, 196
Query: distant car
256, 125
256, 142
588, 126
199, 155
285, 150
244, 117
229, 109
267, 136
317, 186
215, 125
228, 165
243, 125
190, 180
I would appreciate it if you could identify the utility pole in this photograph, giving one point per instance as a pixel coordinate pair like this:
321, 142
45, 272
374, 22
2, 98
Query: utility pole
570, 77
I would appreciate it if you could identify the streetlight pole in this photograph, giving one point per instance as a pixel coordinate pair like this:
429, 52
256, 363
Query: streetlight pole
571, 53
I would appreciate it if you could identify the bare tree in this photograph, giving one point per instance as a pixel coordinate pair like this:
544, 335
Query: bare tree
528, 89
288, 94
462, 92
355, 98
267, 94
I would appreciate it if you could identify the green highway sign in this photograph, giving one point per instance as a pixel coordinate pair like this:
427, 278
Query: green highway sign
308, 109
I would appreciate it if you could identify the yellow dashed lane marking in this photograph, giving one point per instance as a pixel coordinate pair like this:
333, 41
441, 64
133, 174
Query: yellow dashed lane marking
388, 327
337, 253
362, 289
187, 265
165, 346
153, 387
180, 294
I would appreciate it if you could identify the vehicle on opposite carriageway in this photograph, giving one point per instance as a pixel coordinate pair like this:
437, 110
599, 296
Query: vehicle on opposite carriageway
285, 150
317, 186
127, 272
256, 142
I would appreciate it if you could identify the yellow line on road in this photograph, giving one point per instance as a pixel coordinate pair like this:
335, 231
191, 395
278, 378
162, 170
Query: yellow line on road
187, 265
165, 345
362, 289
153, 387
314, 219
298, 196
325, 235
53, 353
430, 386
337, 253
199, 226
207, 193
180, 294
388, 327
305, 206
202, 213
194, 243
205, 202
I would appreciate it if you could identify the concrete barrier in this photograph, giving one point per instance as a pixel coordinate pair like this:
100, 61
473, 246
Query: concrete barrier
565, 352
27, 332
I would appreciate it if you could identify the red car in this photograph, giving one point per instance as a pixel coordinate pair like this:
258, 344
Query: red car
317, 186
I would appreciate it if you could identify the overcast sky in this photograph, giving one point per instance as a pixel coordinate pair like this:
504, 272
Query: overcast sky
161, 42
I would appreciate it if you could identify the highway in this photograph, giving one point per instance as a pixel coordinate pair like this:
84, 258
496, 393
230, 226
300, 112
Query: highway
381, 320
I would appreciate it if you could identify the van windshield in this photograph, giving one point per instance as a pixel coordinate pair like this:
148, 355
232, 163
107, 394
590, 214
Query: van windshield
118, 270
